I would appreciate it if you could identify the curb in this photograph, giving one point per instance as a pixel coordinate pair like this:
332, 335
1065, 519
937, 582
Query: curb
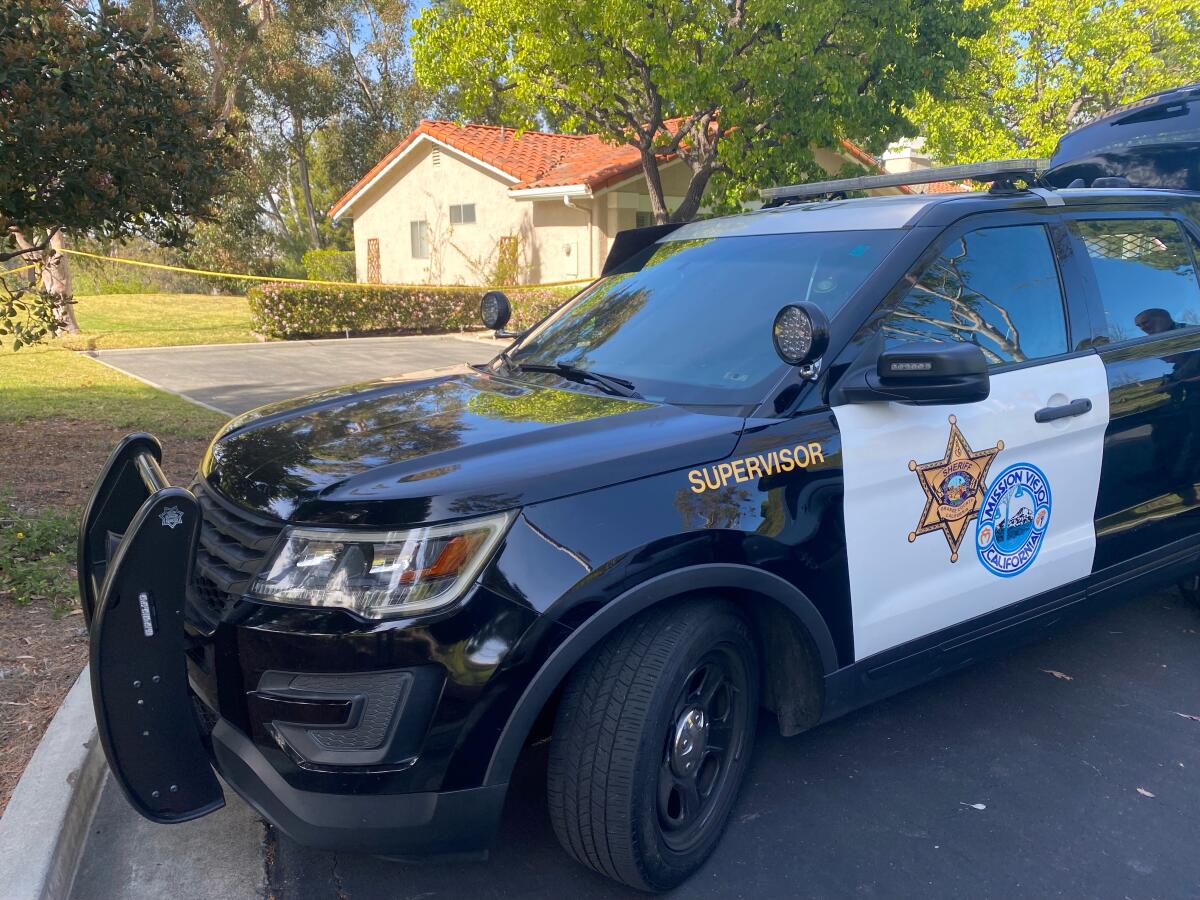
44, 828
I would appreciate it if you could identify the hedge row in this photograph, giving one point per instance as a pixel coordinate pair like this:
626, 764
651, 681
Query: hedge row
299, 311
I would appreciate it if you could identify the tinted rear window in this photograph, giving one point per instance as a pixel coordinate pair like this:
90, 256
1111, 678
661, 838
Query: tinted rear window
1146, 274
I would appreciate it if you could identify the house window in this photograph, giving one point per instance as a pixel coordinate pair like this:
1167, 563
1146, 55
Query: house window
419, 237
374, 276
643, 219
462, 213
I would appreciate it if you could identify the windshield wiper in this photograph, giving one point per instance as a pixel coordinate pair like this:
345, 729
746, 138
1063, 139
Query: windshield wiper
503, 357
610, 383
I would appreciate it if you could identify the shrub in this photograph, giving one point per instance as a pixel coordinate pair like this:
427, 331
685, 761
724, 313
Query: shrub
297, 311
110, 276
329, 265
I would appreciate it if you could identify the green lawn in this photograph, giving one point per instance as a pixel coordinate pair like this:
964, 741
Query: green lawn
51, 397
50, 382
111, 321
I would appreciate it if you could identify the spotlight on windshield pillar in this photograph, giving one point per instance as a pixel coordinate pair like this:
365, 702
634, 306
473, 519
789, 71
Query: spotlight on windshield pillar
800, 333
495, 310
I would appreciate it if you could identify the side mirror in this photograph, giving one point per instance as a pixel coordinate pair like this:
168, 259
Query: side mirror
921, 373
495, 310
800, 333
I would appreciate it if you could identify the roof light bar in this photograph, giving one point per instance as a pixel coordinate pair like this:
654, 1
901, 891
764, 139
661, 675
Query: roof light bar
985, 171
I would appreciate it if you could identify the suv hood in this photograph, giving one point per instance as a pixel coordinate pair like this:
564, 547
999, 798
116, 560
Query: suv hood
407, 451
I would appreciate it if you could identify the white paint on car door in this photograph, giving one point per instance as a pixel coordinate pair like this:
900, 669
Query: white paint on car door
955, 511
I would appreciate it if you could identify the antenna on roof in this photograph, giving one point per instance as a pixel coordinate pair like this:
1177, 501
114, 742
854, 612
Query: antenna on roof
1001, 173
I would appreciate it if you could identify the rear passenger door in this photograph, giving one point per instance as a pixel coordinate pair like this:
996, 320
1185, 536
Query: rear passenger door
955, 512
1142, 275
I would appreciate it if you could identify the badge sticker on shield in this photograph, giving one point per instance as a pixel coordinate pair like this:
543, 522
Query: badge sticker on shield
1013, 520
953, 488
1011, 514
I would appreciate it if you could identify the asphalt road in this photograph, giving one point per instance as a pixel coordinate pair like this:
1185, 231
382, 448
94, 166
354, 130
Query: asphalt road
233, 378
1006, 780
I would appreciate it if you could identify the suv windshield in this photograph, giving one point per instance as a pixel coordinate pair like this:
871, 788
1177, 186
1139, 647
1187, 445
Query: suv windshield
689, 321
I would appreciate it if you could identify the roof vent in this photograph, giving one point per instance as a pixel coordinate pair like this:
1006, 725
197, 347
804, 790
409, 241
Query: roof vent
437, 157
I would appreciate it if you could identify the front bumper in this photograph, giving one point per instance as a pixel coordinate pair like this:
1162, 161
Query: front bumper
150, 666
429, 822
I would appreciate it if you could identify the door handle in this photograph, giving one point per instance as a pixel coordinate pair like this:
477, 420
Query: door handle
1066, 411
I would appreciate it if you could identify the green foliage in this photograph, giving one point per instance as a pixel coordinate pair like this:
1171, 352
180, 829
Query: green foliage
329, 265
99, 134
131, 150
296, 311
27, 314
91, 277
321, 88
1046, 66
36, 552
784, 76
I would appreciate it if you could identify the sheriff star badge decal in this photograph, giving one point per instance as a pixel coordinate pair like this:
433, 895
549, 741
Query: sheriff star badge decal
954, 488
170, 517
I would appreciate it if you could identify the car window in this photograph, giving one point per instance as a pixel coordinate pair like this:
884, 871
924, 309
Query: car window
689, 321
997, 288
1145, 273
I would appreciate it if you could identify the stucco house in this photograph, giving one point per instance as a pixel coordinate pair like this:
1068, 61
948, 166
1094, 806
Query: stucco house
476, 204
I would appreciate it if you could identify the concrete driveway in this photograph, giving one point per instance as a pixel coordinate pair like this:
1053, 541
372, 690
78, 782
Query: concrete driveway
232, 378
1066, 769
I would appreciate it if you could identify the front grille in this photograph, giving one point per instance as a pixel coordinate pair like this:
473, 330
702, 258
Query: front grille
205, 717
233, 546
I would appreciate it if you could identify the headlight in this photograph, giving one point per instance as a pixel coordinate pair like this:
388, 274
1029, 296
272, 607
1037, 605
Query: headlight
379, 574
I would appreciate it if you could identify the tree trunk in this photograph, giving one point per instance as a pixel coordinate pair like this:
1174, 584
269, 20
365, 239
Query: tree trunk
31, 275
56, 279
690, 204
310, 212
293, 206
658, 203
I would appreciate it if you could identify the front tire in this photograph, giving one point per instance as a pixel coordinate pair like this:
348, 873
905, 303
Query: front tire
652, 740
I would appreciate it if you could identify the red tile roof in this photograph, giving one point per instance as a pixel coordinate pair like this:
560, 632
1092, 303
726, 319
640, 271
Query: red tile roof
536, 159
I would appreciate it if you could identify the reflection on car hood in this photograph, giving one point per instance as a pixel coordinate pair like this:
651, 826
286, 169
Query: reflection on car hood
405, 451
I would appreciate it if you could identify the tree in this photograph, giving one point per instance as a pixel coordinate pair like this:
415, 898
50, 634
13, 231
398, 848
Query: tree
384, 101
299, 94
1046, 66
323, 87
740, 89
99, 134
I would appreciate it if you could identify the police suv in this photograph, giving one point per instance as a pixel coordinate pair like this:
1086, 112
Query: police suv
799, 459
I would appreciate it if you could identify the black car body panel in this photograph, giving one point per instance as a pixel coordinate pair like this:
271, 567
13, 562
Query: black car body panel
401, 453
398, 733
1153, 142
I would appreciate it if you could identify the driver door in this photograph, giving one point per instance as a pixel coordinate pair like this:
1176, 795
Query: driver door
954, 512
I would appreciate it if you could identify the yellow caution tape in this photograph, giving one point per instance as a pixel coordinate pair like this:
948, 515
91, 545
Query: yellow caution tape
280, 280
18, 269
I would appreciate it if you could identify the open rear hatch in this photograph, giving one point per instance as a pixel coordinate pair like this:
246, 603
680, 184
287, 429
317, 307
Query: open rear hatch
137, 543
1153, 143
